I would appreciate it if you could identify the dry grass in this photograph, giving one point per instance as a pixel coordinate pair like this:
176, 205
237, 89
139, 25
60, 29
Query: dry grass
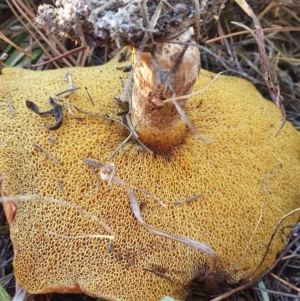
224, 47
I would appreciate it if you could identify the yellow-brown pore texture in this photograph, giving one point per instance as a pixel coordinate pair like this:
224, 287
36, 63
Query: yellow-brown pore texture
242, 170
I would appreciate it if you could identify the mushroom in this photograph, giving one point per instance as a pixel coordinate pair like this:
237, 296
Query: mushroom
74, 224
159, 33
229, 193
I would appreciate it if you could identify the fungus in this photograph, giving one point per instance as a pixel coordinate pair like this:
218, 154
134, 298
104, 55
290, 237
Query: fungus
55, 246
162, 68
81, 233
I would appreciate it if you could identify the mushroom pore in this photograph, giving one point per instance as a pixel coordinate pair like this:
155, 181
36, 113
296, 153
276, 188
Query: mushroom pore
245, 180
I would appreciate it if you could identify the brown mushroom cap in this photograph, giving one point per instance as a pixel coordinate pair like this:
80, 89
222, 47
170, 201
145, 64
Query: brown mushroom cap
242, 170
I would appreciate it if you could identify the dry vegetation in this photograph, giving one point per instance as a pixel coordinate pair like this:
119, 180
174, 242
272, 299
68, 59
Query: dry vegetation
224, 46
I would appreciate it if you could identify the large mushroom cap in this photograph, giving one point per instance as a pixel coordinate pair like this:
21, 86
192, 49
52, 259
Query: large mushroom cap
245, 174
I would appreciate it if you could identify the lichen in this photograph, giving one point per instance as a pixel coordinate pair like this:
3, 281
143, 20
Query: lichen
122, 22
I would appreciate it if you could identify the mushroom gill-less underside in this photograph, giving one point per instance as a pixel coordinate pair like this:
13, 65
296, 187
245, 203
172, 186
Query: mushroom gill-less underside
245, 180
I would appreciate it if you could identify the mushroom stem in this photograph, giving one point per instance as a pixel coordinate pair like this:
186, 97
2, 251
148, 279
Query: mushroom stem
166, 70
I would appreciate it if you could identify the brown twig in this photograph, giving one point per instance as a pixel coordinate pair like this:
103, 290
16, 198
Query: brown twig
66, 54
285, 282
46, 153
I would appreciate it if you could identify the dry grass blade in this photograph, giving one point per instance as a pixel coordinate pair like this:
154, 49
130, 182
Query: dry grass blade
123, 143
188, 122
251, 238
285, 282
292, 248
46, 153
107, 173
166, 277
59, 57
21, 295
8, 41
265, 30
265, 65
3, 294
26, 198
271, 239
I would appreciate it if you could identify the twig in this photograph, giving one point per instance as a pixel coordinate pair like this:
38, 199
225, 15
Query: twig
187, 121
66, 91
61, 189
197, 20
271, 239
199, 246
166, 277
146, 20
280, 29
59, 57
46, 153
129, 127
285, 282
91, 100
195, 197
148, 194
123, 143
69, 79
196, 92
267, 71
81, 236
279, 258
92, 163
273, 292
175, 68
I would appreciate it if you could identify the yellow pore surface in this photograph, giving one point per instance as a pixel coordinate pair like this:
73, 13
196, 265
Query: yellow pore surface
249, 179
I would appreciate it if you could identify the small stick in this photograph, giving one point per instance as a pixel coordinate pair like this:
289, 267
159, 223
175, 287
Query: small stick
69, 79
129, 127
123, 143
46, 153
146, 20
285, 282
87, 91
251, 238
67, 91
58, 57
198, 196
11, 108
166, 277
270, 241
92, 163
61, 189
81, 236
197, 20
294, 297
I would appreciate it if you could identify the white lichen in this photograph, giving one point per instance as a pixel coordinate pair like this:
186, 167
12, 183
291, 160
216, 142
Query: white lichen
121, 22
